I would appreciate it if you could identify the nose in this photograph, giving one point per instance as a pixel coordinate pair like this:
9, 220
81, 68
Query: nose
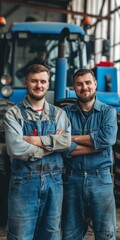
39, 84
84, 86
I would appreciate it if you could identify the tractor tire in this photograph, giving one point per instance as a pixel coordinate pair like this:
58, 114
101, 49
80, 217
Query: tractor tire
65, 102
4, 165
116, 150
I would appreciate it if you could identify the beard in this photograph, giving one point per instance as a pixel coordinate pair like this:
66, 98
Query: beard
36, 98
86, 99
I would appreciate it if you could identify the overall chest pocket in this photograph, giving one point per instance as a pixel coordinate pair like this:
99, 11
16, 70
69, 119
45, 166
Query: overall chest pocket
40, 128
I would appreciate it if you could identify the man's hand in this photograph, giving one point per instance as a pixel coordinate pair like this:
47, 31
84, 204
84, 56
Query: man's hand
59, 131
35, 140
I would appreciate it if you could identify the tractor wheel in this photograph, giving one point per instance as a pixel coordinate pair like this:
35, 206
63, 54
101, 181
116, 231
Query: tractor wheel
116, 150
65, 102
4, 165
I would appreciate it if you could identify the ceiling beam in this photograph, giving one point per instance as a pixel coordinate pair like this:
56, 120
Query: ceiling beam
52, 8
8, 13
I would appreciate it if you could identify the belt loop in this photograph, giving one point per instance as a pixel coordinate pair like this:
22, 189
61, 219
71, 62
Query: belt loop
85, 174
97, 172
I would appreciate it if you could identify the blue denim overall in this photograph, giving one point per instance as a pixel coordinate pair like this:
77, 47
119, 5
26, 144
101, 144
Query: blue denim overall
88, 188
36, 190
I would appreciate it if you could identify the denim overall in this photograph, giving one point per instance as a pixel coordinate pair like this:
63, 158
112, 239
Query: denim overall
36, 190
88, 188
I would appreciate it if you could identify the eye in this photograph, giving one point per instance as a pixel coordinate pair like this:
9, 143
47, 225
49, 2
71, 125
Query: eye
33, 81
79, 84
43, 81
88, 82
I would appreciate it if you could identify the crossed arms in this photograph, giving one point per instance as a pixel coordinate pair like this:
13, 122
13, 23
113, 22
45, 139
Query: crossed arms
34, 147
36, 140
85, 145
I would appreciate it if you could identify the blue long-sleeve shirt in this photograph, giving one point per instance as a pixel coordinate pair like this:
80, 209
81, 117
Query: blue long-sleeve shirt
101, 125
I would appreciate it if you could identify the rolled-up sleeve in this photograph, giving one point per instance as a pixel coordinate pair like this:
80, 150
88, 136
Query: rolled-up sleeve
16, 146
59, 142
106, 135
67, 152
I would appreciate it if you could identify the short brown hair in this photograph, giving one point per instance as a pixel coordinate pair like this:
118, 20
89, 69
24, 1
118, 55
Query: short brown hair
82, 72
37, 68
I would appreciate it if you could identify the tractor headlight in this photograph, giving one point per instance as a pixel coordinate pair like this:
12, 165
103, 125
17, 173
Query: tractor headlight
5, 79
6, 91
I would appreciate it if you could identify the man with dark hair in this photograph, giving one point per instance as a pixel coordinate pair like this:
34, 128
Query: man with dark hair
36, 134
88, 189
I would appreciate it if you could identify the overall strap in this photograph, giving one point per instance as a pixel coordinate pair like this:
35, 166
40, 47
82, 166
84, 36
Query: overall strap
22, 109
52, 112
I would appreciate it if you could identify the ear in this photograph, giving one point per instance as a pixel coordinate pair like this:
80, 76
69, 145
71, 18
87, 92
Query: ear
95, 84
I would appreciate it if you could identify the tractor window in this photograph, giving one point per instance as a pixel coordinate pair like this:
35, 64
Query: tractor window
43, 50
32, 52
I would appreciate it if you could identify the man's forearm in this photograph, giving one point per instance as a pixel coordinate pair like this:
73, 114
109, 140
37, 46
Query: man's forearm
81, 150
85, 140
35, 140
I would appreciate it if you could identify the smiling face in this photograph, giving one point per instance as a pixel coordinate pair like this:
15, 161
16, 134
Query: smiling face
37, 85
85, 87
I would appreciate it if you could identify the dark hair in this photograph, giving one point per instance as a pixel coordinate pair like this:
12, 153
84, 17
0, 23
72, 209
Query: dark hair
37, 68
82, 72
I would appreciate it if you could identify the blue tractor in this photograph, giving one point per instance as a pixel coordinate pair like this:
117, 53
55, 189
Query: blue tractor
68, 48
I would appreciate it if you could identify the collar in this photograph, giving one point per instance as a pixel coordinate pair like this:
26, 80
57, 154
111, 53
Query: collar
97, 105
28, 105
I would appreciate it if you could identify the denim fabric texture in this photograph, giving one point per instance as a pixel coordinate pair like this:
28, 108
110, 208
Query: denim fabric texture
35, 202
102, 126
36, 188
14, 123
88, 188
89, 200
